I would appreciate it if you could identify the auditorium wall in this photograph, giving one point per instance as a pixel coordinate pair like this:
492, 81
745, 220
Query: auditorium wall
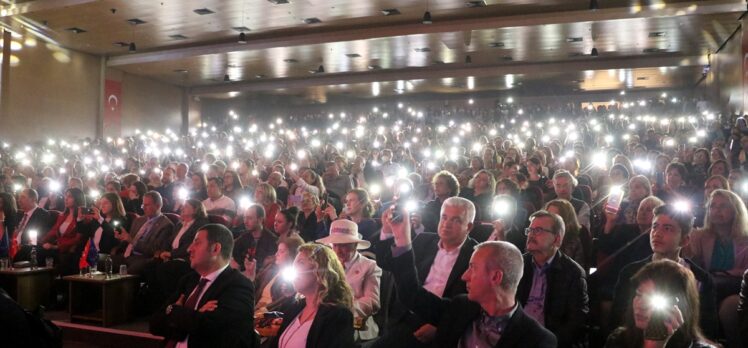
147, 104
53, 93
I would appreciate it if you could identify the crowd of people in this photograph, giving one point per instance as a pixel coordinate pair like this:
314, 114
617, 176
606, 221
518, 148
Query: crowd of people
616, 225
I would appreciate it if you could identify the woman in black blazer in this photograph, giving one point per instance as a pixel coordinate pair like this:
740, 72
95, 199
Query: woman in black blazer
103, 220
323, 317
176, 260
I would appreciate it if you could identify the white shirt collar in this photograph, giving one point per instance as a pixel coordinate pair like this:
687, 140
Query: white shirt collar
455, 251
211, 277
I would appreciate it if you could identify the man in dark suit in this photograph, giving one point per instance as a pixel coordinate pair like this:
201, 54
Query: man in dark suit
489, 315
212, 307
440, 260
148, 235
255, 236
35, 220
670, 232
553, 289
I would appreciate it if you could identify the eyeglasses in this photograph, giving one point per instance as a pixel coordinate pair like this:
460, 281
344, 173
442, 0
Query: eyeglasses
536, 230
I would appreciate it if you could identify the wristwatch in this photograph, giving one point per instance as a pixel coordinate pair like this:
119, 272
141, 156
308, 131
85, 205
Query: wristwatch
168, 309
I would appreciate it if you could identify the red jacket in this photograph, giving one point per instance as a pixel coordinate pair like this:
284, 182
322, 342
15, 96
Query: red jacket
67, 240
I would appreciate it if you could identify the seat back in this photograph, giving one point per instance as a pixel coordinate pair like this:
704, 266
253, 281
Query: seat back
174, 218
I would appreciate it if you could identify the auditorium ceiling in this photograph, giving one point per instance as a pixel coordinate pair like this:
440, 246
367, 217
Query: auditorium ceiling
381, 47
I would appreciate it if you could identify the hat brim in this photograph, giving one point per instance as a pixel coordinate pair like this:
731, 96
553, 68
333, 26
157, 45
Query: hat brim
345, 239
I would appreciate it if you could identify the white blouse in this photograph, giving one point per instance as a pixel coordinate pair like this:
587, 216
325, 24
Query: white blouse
295, 334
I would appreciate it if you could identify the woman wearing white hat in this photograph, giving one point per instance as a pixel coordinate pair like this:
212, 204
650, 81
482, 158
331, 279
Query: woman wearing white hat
361, 273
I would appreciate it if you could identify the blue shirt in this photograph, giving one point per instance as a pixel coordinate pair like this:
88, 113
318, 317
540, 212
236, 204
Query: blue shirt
486, 330
536, 300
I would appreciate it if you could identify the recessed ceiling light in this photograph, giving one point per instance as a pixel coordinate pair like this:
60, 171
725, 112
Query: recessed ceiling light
260, 76
278, 2
76, 30
390, 12
496, 44
181, 71
241, 29
136, 21
423, 49
353, 55
203, 11
178, 37
121, 44
574, 39
312, 20
290, 60
475, 3
657, 34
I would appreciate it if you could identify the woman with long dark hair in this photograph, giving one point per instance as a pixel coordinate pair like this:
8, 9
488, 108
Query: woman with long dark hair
135, 192
285, 224
103, 221
664, 312
64, 240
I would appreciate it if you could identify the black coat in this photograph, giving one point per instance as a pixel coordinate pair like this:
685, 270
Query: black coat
453, 316
40, 221
425, 246
184, 242
743, 308
231, 324
332, 326
265, 247
624, 293
566, 300
108, 241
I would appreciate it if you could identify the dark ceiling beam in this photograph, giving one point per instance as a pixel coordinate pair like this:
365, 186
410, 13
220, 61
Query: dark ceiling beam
309, 36
454, 70
39, 5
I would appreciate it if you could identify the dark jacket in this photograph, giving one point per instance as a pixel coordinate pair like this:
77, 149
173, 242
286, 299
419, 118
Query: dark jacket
229, 325
566, 300
265, 247
425, 246
40, 221
158, 238
184, 242
87, 229
452, 316
332, 326
625, 292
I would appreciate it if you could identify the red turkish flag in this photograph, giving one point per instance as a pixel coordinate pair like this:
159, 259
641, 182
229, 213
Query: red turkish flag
112, 108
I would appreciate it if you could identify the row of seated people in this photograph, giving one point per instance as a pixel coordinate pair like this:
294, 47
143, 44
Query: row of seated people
540, 299
135, 260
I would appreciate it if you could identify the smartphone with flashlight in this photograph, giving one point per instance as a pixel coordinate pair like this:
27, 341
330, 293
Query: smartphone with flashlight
660, 305
324, 202
614, 200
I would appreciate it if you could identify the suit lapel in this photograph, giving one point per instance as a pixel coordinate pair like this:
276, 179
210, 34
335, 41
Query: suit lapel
513, 332
216, 287
466, 251
428, 256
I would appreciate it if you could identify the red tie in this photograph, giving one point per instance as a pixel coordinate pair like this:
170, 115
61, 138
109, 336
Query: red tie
191, 303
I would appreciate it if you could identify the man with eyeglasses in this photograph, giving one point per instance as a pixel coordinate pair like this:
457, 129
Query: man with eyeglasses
553, 289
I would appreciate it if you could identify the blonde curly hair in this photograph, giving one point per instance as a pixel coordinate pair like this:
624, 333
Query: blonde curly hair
333, 286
